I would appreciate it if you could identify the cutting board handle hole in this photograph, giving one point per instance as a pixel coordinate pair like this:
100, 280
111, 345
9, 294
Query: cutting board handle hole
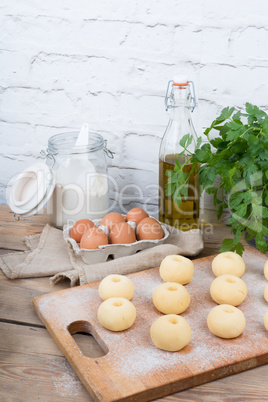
84, 337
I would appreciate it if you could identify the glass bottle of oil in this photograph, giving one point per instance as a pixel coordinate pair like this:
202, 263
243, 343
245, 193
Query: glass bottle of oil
180, 101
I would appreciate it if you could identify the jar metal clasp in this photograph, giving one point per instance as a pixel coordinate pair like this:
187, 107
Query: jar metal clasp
48, 155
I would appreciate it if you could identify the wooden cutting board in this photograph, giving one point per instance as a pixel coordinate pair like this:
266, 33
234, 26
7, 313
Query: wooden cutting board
133, 368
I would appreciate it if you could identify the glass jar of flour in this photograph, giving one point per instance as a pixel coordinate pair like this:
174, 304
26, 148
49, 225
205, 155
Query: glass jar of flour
73, 183
81, 182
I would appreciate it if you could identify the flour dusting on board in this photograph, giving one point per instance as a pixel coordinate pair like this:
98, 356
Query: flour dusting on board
133, 355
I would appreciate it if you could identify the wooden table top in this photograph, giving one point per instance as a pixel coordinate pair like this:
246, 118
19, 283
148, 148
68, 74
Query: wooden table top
32, 368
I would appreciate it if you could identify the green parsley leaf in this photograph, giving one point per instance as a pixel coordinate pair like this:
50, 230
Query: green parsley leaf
226, 113
261, 243
186, 140
227, 245
239, 248
198, 143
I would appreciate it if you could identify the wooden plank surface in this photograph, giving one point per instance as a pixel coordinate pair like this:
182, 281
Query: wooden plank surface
12, 231
31, 367
24, 384
134, 367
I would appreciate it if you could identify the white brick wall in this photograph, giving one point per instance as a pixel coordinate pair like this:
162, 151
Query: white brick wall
107, 62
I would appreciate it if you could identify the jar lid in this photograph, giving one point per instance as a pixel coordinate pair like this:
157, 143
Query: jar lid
29, 191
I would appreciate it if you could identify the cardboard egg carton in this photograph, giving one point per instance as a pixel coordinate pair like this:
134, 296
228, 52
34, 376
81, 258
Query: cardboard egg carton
111, 250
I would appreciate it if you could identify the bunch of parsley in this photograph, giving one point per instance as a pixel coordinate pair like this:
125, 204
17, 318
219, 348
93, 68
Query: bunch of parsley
239, 155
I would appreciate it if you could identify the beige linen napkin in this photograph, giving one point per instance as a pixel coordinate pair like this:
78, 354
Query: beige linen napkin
49, 255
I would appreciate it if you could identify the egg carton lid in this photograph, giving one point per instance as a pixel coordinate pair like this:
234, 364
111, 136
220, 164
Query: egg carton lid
110, 250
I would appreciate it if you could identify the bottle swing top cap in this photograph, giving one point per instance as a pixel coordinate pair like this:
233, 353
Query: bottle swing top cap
180, 80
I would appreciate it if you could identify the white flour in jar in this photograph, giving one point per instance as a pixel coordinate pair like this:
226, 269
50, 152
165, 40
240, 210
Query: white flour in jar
80, 193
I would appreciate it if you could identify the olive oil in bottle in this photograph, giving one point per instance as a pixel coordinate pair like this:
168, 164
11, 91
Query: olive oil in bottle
185, 216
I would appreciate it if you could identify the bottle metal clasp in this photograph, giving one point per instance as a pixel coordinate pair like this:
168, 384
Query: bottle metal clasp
193, 98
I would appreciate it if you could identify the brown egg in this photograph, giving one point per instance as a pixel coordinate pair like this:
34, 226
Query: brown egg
122, 233
149, 229
93, 238
136, 215
80, 227
110, 219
